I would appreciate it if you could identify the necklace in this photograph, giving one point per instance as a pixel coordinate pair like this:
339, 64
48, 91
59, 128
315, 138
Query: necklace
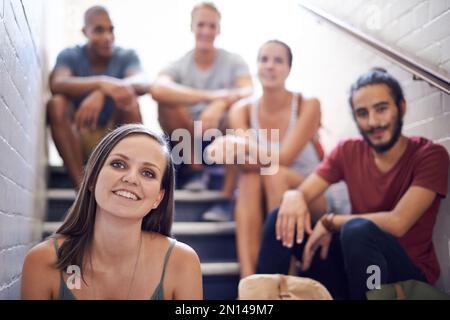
135, 267
132, 276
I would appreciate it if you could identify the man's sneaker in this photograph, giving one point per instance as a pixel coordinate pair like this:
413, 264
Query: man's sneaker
198, 182
220, 212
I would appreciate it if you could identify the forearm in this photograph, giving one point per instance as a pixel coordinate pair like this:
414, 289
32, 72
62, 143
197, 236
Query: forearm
76, 86
386, 221
231, 96
171, 92
308, 191
306, 128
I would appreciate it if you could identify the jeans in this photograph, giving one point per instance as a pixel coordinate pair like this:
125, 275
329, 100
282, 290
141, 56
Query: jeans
344, 272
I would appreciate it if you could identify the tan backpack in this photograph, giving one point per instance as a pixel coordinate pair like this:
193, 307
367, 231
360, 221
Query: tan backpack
281, 287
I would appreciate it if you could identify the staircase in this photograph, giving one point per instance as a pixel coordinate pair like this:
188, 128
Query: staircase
214, 242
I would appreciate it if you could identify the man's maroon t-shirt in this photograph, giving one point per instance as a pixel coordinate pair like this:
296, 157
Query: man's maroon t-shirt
423, 164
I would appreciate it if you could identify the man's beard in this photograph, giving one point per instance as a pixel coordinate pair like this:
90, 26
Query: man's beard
381, 148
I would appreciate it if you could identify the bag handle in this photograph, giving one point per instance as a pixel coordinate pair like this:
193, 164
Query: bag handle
400, 293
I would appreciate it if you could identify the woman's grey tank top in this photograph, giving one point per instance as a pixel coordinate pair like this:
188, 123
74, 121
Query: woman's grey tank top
307, 160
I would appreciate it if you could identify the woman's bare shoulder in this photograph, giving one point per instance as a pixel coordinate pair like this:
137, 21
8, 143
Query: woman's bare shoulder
186, 267
44, 251
183, 272
183, 256
309, 106
181, 252
242, 105
39, 274
309, 101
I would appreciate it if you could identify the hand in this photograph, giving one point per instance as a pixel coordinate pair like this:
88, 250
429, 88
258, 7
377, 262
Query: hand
319, 238
225, 149
120, 91
87, 114
211, 115
293, 214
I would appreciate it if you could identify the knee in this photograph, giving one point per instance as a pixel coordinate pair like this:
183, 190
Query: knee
170, 109
275, 181
174, 116
356, 232
248, 181
269, 180
58, 109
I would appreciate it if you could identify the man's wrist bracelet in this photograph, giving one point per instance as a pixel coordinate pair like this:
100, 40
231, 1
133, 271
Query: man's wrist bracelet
327, 222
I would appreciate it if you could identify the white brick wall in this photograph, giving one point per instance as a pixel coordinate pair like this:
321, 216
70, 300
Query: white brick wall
22, 180
419, 28
416, 27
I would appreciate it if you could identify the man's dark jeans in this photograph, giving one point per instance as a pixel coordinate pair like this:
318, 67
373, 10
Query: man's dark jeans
344, 272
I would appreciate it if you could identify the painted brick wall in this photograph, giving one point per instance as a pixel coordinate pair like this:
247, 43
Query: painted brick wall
22, 183
419, 28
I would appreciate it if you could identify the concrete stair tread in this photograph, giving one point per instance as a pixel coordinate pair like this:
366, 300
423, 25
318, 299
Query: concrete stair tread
220, 268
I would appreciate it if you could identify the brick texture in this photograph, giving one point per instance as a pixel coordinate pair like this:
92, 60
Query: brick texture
419, 28
22, 179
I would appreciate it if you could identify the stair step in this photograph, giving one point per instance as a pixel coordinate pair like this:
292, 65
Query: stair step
189, 206
58, 177
220, 280
213, 241
220, 268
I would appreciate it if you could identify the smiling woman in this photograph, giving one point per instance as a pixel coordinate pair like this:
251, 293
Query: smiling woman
116, 236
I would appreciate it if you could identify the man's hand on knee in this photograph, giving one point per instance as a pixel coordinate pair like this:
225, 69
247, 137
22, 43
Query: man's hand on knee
87, 114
